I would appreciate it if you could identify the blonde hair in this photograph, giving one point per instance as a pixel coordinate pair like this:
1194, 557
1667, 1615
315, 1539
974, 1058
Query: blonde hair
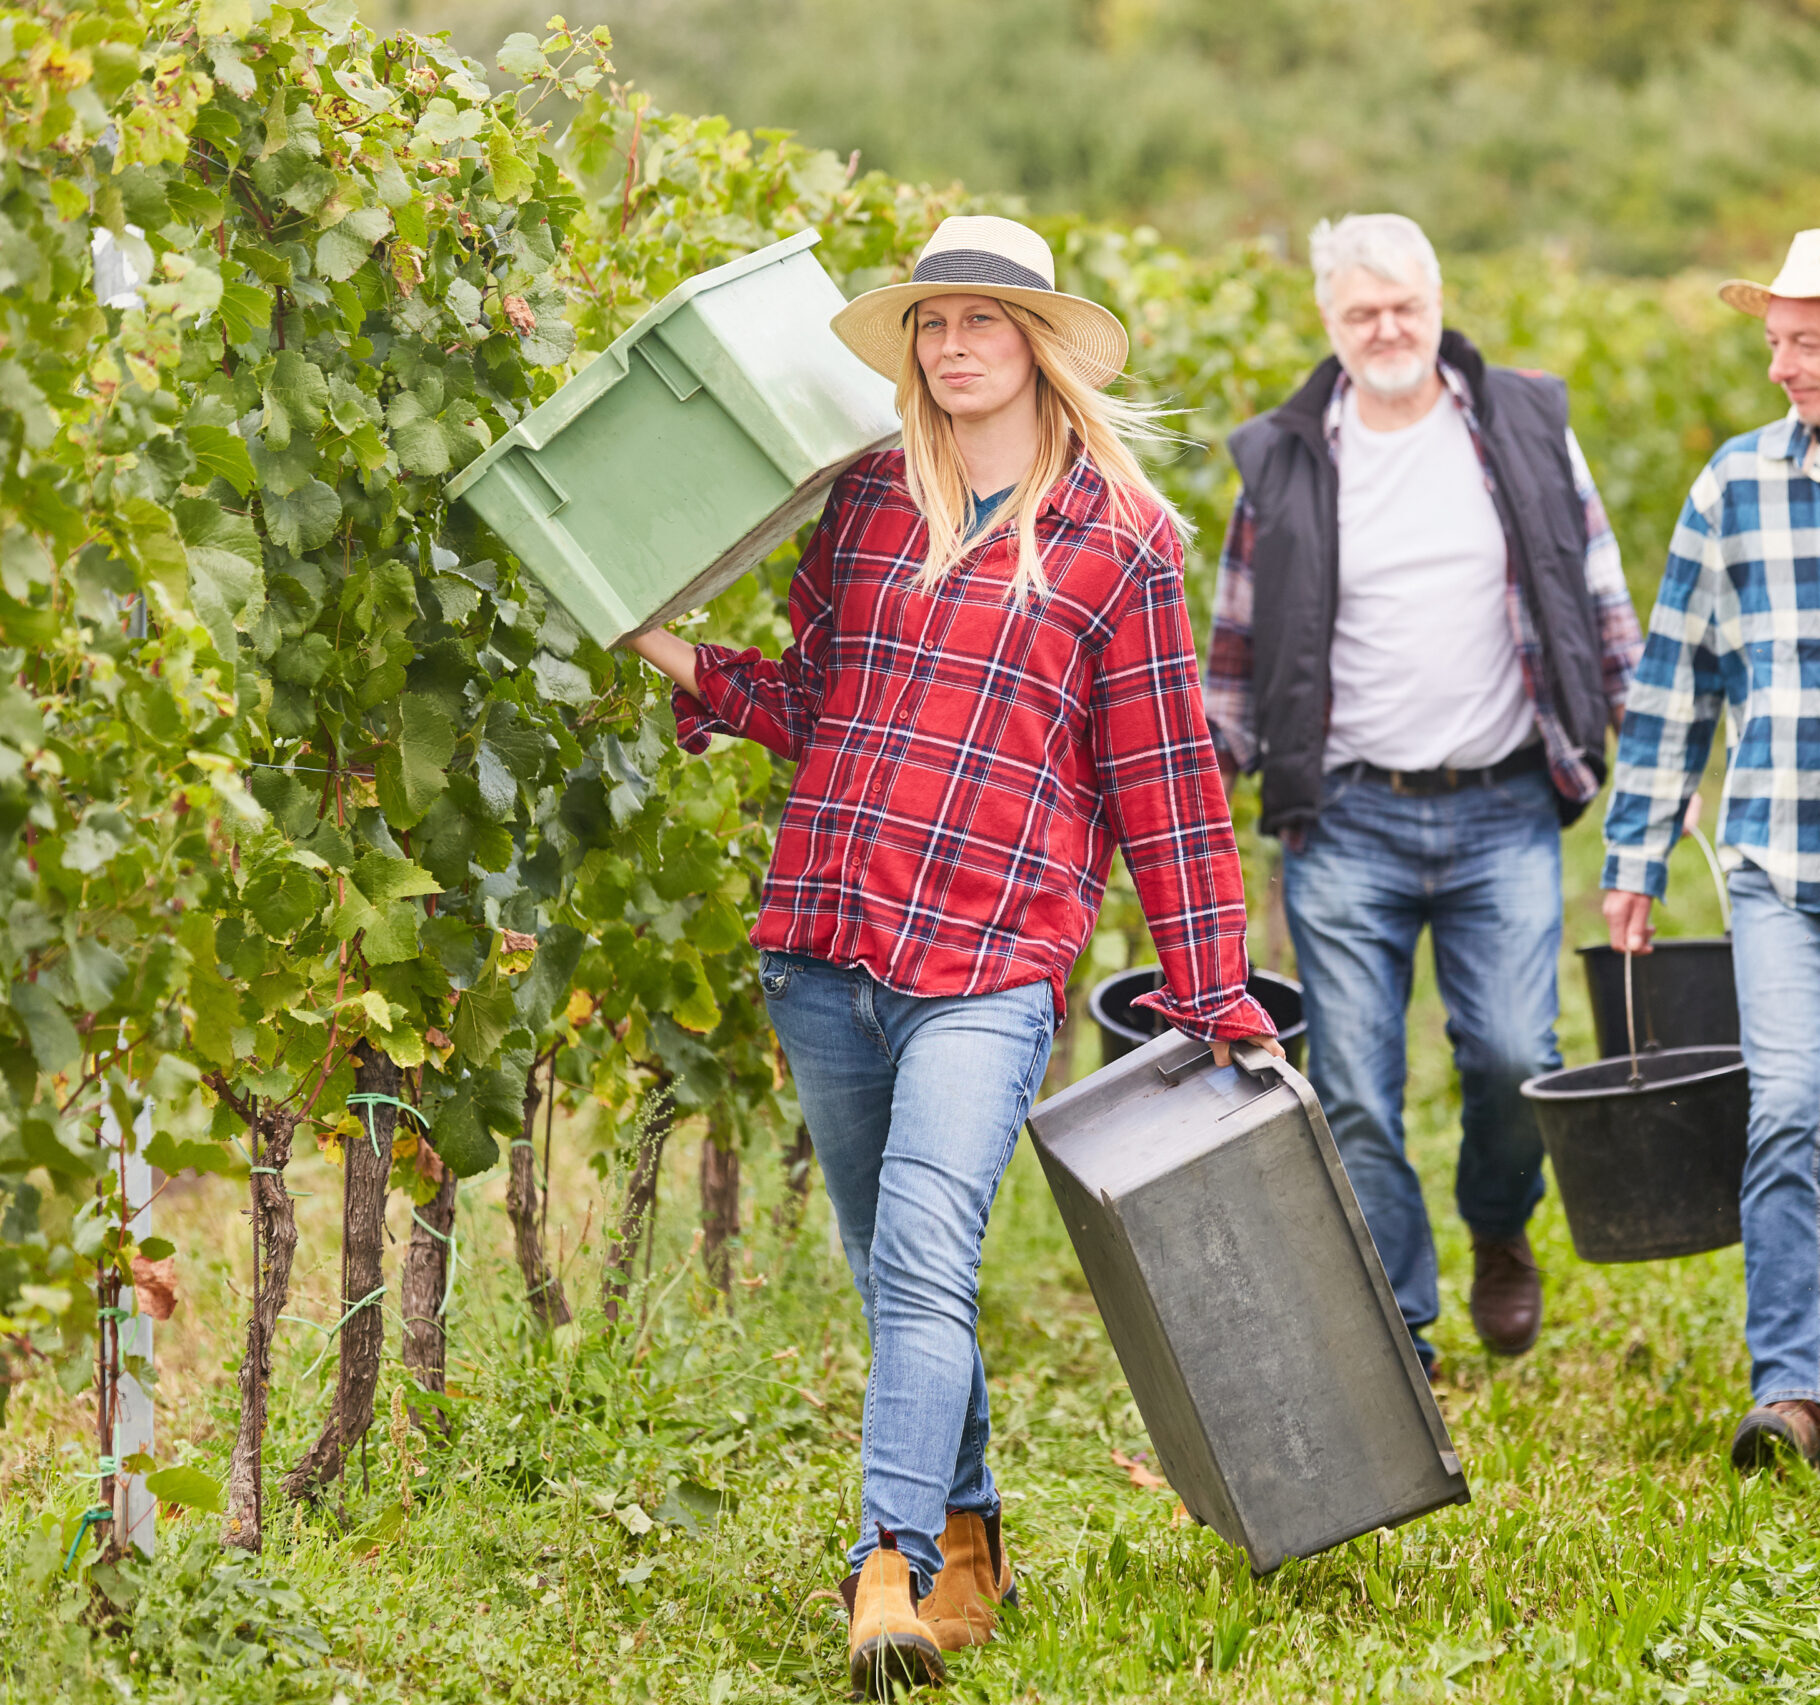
1069, 413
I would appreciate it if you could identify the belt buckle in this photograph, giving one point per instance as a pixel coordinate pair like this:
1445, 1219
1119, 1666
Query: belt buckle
1396, 784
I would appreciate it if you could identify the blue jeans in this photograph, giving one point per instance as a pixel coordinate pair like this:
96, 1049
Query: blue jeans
914, 1106
1776, 953
1482, 869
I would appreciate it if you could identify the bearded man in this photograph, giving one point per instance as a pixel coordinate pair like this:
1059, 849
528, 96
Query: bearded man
1421, 636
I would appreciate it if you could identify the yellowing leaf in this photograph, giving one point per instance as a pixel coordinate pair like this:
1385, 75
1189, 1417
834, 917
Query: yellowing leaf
377, 1008
692, 1003
513, 178
224, 17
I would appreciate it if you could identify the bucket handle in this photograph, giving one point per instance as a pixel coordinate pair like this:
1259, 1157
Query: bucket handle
1630, 1024
1691, 825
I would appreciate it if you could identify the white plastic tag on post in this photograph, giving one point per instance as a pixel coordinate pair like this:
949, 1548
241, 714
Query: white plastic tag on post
135, 1508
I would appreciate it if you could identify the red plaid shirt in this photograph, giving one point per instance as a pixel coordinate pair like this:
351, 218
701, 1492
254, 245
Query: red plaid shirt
964, 767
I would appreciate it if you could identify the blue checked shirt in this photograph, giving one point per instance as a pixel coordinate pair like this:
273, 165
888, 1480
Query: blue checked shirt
1736, 625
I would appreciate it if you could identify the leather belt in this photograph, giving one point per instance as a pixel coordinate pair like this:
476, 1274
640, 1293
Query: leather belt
1422, 784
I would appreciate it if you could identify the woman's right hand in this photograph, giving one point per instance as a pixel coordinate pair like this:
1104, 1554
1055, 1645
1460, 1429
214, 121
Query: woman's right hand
1222, 1051
664, 651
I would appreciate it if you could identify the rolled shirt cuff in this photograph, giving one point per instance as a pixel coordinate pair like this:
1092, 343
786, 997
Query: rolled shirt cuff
1635, 872
1233, 1022
701, 715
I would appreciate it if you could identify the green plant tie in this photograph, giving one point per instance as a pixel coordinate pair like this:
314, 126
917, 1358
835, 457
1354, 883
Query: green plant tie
442, 1236
329, 1331
447, 1237
371, 1098
113, 1313
99, 1513
270, 1169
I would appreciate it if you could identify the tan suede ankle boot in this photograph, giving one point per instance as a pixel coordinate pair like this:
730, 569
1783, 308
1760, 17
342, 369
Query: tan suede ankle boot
962, 1609
887, 1642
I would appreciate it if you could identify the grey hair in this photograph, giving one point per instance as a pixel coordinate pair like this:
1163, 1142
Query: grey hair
1384, 243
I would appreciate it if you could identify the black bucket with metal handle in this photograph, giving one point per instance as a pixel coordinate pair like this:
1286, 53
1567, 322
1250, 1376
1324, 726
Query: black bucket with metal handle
1683, 992
1124, 1026
1685, 995
1648, 1149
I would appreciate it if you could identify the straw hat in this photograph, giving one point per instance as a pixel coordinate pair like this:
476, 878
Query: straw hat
1799, 277
984, 256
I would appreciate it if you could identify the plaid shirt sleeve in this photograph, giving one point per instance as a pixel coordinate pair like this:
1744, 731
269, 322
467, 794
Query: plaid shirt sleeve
1226, 684
1620, 638
1674, 706
744, 693
1160, 784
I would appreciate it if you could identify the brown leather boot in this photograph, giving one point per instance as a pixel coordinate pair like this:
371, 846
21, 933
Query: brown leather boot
1506, 1294
1772, 1428
962, 1609
887, 1642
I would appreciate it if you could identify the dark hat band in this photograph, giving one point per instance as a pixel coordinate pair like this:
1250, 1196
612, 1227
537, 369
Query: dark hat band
976, 266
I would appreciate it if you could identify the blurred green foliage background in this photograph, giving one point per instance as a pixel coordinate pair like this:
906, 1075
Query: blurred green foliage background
1632, 135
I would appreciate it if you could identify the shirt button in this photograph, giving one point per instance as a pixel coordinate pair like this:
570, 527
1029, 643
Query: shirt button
903, 716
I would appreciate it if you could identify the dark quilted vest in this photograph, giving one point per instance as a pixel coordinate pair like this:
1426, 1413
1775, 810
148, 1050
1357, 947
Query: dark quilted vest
1293, 489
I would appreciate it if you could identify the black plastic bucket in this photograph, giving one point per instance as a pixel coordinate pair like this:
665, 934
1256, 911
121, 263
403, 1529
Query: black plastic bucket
1124, 1026
1686, 995
1654, 1171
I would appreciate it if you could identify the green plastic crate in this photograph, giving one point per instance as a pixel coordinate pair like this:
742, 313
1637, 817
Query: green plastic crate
689, 450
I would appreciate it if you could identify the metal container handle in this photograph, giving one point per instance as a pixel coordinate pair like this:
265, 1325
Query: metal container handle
1254, 1061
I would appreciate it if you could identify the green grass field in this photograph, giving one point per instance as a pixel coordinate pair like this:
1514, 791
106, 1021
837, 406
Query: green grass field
665, 1519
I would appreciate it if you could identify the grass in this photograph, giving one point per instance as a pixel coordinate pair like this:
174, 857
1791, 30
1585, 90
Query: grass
665, 1521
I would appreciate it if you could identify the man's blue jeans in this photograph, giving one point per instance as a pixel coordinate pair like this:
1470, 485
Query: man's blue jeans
1482, 868
1776, 954
914, 1106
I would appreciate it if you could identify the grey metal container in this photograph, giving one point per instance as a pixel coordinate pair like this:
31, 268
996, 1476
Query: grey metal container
1245, 1300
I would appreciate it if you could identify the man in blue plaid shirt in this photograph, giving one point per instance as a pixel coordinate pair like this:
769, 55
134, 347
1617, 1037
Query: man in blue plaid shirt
1737, 626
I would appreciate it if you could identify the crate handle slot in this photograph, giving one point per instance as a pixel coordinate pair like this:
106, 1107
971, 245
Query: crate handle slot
671, 368
538, 484
1172, 1075
1249, 1058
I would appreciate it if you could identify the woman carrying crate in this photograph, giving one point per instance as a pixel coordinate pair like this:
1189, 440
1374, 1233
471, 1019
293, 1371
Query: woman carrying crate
993, 685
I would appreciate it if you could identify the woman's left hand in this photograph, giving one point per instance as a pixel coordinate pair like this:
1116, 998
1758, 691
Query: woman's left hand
1222, 1051
664, 650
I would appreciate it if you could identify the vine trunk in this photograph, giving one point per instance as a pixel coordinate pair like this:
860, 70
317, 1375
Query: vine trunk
366, 1165
274, 1247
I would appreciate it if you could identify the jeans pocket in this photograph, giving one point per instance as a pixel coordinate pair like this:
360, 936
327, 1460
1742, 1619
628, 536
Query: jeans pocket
774, 973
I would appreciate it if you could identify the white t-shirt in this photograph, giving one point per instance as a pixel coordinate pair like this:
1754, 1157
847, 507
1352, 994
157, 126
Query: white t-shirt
1424, 667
